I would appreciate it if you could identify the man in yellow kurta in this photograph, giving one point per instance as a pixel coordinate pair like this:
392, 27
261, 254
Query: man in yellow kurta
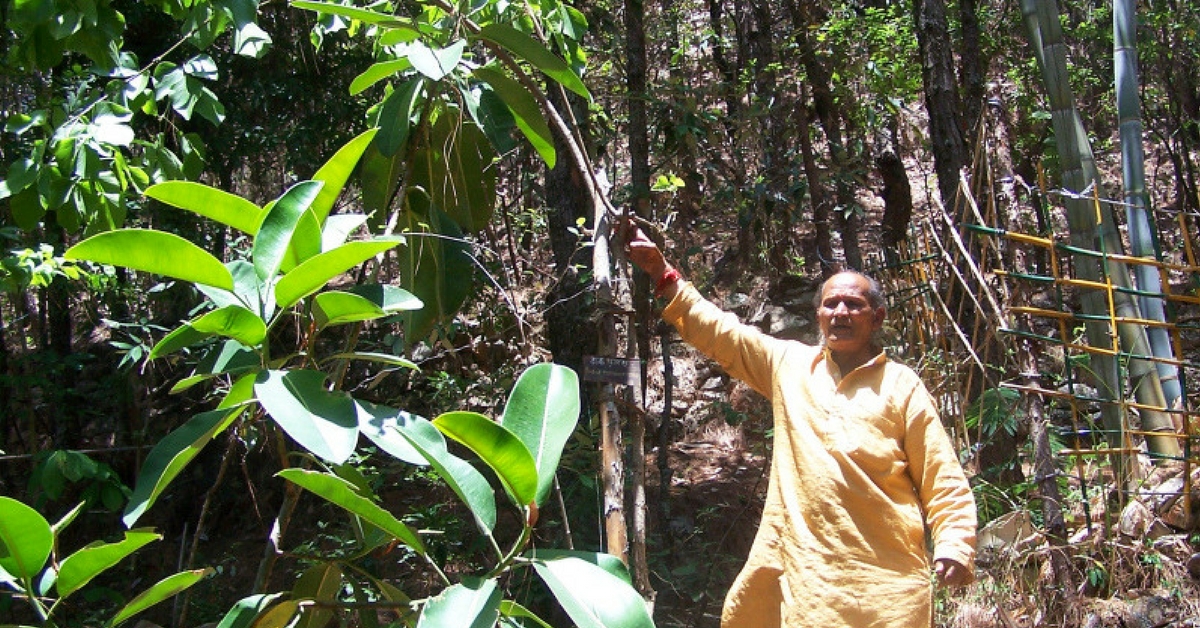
861, 469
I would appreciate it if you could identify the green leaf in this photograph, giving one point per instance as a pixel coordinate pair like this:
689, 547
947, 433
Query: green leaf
279, 224
27, 208
319, 270
166, 588
321, 582
233, 321
509, 608
499, 448
182, 337
436, 266
469, 604
591, 596
542, 411
456, 171
25, 539
382, 425
378, 72
323, 422
381, 358
223, 207
247, 609
335, 172
337, 229
435, 64
154, 252
466, 482
170, 456
605, 561
379, 177
305, 243
395, 116
525, 110
536, 54
339, 308
354, 13
390, 298
342, 493
80, 567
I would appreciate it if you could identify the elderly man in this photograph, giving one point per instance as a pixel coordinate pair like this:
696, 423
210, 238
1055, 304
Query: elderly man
861, 469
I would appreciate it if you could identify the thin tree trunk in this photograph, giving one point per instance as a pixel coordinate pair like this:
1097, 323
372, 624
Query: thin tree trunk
822, 256
941, 98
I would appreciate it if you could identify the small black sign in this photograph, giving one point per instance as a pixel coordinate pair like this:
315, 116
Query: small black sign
612, 370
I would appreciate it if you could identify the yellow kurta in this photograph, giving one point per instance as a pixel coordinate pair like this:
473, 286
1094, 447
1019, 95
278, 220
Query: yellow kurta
861, 468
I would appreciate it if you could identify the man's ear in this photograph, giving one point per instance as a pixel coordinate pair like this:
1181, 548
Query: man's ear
880, 316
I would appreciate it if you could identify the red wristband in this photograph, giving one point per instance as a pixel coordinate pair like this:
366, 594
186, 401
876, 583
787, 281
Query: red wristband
669, 277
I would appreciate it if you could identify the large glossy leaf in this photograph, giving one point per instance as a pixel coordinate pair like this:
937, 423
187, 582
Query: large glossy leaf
223, 207
80, 567
339, 308
525, 112
321, 582
466, 482
279, 225
536, 54
170, 456
180, 338
456, 171
499, 448
321, 421
542, 411
379, 178
390, 298
337, 229
25, 539
469, 604
306, 241
382, 425
166, 588
435, 64
378, 72
593, 597
605, 561
395, 116
340, 492
156, 252
335, 172
247, 609
355, 13
319, 270
233, 321
436, 266
509, 608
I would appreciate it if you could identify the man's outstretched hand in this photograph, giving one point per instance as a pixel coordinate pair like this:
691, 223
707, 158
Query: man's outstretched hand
951, 574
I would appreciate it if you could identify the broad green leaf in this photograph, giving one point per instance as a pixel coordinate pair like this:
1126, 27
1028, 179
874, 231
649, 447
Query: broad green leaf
180, 338
306, 241
493, 117
525, 111
321, 582
233, 321
170, 456
509, 608
382, 425
456, 170
499, 448
323, 422
395, 116
279, 224
381, 358
378, 72
605, 561
154, 252
279, 616
166, 588
468, 604
390, 298
379, 178
337, 229
335, 172
242, 391
25, 539
436, 266
338, 308
536, 54
593, 597
27, 209
466, 482
354, 13
230, 357
342, 493
223, 207
80, 567
319, 270
247, 609
542, 411
60, 525
435, 64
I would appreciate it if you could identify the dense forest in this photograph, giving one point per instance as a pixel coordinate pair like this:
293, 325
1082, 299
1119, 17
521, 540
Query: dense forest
318, 313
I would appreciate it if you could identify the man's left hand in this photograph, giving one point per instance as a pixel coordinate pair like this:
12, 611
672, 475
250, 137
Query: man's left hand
950, 573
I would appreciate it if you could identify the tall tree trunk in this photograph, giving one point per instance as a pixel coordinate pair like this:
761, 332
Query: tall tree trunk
727, 71
941, 98
822, 251
972, 63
